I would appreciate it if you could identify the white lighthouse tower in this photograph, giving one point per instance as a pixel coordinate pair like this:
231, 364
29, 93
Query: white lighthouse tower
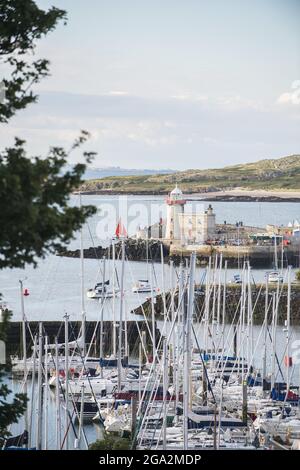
175, 210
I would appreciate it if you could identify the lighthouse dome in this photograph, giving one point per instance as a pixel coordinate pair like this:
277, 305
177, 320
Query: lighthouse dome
176, 193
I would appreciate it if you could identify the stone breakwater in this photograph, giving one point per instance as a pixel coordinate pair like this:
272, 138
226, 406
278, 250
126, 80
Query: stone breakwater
140, 250
233, 295
135, 250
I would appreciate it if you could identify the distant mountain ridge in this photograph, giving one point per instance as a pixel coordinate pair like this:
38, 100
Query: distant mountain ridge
99, 173
268, 174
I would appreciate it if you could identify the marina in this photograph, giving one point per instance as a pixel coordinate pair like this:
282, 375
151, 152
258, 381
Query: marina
150, 232
206, 356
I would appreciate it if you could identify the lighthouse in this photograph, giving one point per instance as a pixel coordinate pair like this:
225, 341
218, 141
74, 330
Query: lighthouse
175, 210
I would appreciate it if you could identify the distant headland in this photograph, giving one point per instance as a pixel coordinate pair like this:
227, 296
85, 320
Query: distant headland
271, 180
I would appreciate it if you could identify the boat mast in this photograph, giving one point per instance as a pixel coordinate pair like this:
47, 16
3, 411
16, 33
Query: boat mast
172, 322
187, 351
219, 294
264, 371
80, 430
57, 400
282, 255
66, 380
274, 325
46, 395
288, 318
40, 385
32, 400
249, 319
140, 372
213, 321
83, 313
165, 391
102, 313
147, 254
224, 306
275, 252
153, 319
121, 316
24, 348
207, 305
180, 307
114, 300
163, 278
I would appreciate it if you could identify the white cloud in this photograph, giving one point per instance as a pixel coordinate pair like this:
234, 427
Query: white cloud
229, 101
132, 131
236, 102
190, 97
291, 97
117, 93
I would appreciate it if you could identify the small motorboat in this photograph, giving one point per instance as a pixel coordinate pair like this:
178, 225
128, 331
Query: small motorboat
142, 286
274, 276
237, 279
101, 290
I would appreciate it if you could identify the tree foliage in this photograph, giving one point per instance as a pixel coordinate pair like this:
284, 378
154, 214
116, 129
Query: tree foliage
111, 442
35, 216
10, 410
22, 23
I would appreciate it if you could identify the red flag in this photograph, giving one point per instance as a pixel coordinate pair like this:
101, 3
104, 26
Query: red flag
120, 230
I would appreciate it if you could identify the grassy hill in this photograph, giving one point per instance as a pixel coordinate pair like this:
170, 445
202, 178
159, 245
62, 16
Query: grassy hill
274, 174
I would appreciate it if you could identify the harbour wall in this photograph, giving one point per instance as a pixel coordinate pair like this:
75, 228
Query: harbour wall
258, 256
55, 329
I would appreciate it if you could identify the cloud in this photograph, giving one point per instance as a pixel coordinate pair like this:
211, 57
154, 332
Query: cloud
190, 97
291, 97
236, 102
229, 101
132, 131
117, 93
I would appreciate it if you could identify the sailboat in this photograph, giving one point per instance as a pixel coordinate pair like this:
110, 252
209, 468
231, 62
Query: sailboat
276, 276
101, 291
121, 231
143, 286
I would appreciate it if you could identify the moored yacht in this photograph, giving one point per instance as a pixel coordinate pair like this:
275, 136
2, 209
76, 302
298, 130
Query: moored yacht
101, 290
142, 286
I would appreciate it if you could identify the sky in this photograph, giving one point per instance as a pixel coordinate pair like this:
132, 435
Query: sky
169, 84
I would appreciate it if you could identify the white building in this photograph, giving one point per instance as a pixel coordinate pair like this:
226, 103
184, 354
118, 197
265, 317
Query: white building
175, 211
186, 228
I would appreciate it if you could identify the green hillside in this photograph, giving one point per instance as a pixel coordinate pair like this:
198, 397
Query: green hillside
274, 174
